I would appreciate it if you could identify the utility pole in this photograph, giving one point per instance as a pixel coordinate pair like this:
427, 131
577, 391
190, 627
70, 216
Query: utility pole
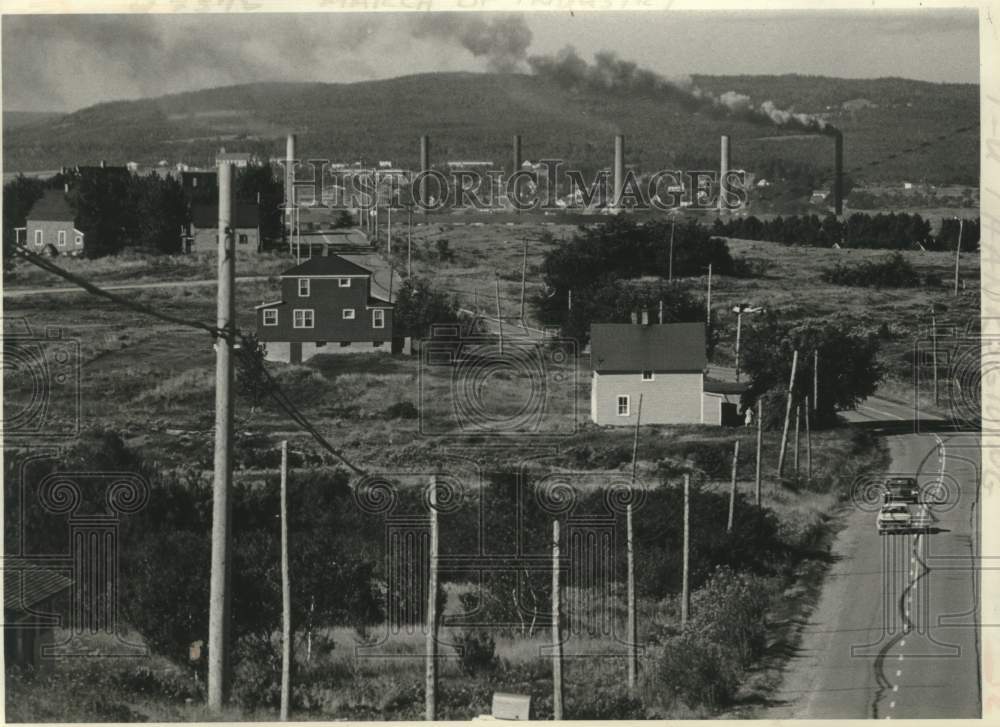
708, 297
524, 273
633, 655
739, 326
499, 319
409, 241
432, 620
809, 449
732, 486
815, 401
557, 695
788, 413
569, 300
760, 441
661, 311
219, 588
934, 353
388, 223
958, 249
685, 593
795, 456
286, 592
670, 264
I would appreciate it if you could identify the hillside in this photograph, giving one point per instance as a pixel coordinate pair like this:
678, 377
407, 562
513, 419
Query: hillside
16, 119
474, 115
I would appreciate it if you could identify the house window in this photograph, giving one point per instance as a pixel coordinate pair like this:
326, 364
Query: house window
377, 344
348, 314
320, 344
378, 319
647, 375
270, 316
244, 239
344, 282
623, 406
61, 238
345, 344
79, 240
303, 287
302, 318
38, 238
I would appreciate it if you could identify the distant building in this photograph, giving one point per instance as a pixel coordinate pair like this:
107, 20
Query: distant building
238, 159
326, 306
203, 233
51, 226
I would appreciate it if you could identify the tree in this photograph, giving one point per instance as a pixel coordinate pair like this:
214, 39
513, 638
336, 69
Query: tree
159, 213
419, 306
849, 368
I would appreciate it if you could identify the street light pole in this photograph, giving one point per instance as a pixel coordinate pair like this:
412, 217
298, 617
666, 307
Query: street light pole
739, 310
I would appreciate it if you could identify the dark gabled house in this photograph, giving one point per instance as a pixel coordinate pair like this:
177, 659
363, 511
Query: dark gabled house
51, 226
203, 235
326, 306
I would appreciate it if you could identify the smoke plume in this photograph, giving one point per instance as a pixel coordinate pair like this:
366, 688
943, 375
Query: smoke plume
609, 73
502, 40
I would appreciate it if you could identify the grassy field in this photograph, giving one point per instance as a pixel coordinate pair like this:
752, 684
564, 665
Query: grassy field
154, 382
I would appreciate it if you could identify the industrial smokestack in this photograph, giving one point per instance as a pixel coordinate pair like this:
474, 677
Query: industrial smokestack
290, 171
838, 173
723, 171
516, 161
425, 166
616, 200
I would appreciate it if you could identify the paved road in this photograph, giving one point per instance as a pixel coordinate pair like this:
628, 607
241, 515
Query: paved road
22, 292
895, 634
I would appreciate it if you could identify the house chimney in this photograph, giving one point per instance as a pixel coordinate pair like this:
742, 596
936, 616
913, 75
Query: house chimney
425, 166
635, 317
645, 317
619, 182
838, 173
723, 171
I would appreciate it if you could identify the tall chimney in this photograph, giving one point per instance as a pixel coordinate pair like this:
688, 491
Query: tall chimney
838, 173
290, 171
516, 160
723, 171
616, 199
425, 166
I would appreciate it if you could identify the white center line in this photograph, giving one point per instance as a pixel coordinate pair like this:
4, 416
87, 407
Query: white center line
898, 672
903, 642
895, 687
892, 705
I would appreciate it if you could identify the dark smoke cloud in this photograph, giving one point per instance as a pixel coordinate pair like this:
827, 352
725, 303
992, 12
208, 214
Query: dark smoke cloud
609, 73
502, 40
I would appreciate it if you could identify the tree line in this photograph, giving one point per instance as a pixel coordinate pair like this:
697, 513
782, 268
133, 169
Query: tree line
895, 231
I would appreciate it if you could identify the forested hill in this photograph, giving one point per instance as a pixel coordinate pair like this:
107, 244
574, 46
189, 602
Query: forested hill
472, 116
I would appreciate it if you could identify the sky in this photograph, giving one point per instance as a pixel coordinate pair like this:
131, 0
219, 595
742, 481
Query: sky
67, 62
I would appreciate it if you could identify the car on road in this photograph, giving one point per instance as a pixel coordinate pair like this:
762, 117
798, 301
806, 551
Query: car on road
901, 489
894, 517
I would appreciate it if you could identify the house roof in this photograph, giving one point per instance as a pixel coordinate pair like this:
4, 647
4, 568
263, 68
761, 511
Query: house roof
205, 216
328, 265
658, 347
52, 207
714, 386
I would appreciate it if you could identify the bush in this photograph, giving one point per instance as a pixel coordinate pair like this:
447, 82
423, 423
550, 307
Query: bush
892, 271
401, 410
696, 671
477, 652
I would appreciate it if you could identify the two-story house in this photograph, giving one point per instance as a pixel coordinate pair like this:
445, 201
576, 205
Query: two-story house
203, 233
51, 226
326, 306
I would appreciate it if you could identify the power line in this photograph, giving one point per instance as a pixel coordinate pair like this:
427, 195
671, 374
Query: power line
273, 389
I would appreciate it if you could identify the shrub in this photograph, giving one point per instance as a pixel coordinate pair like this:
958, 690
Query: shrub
477, 652
892, 271
696, 671
401, 410
729, 610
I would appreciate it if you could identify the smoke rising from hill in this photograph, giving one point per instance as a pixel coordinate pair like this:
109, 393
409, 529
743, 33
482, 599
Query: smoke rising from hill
609, 73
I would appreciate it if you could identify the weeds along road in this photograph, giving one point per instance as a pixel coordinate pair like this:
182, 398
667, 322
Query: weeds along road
896, 631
